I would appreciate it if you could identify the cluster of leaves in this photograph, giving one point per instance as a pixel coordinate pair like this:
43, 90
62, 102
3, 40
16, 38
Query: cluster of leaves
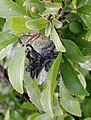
68, 24
12, 104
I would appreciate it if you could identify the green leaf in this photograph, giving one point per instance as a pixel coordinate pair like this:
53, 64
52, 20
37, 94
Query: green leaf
57, 110
88, 118
16, 69
20, 2
11, 9
7, 115
55, 38
57, 23
85, 46
72, 51
3, 52
69, 103
88, 36
86, 108
28, 106
82, 79
81, 3
48, 91
2, 22
48, 29
33, 12
12, 97
85, 14
65, 117
35, 3
7, 25
87, 64
18, 24
16, 115
6, 38
43, 117
51, 8
3, 97
33, 91
71, 80
33, 116
36, 24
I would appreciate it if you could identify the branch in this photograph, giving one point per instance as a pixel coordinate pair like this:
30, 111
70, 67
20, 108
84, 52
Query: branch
31, 37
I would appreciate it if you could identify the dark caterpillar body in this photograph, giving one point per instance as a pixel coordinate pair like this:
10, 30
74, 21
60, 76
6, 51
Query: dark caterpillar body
37, 61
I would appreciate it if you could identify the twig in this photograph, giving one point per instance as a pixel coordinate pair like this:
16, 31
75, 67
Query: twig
31, 37
25, 35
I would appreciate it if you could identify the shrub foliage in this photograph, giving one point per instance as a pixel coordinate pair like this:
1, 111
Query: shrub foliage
27, 28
